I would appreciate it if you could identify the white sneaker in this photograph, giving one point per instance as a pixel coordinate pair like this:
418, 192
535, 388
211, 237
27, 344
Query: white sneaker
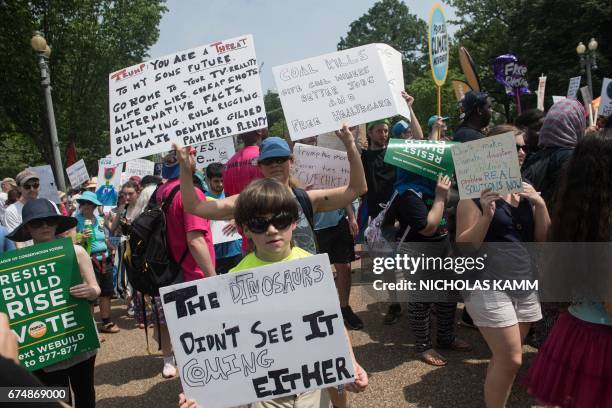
169, 371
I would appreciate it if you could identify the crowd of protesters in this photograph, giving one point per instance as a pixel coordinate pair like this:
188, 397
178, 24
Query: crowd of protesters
566, 197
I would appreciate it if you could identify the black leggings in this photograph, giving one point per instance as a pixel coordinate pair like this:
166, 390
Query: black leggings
419, 316
79, 377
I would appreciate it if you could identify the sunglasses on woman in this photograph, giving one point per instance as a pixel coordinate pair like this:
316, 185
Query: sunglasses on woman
38, 223
273, 160
259, 225
31, 186
520, 147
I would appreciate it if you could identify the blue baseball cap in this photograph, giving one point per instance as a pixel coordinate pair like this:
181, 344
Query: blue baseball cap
432, 120
399, 128
273, 147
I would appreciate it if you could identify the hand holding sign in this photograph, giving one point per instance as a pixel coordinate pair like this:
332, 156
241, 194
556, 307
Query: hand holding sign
442, 187
8, 340
345, 135
487, 202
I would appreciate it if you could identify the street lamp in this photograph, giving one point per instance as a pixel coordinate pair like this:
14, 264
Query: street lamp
39, 44
588, 59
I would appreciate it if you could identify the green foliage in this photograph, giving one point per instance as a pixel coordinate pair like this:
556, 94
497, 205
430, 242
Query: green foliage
19, 153
89, 39
390, 22
543, 34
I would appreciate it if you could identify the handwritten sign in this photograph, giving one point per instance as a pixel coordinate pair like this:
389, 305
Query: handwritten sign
48, 188
139, 167
427, 158
491, 162
541, 91
605, 105
320, 167
574, 85
353, 86
219, 237
190, 97
109, 182
50, 324
438, 45
258, 334
217, 151
77, 174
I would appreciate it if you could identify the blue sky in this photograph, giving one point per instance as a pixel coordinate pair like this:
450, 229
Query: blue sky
283, 30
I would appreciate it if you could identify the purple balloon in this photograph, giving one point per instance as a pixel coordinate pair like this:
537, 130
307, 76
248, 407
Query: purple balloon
511, 74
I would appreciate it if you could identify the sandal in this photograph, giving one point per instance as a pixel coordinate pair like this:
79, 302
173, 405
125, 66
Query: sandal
109, 327
432, 357
457, 345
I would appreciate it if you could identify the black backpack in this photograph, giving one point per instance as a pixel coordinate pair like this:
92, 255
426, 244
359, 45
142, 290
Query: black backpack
148, 262
302, 196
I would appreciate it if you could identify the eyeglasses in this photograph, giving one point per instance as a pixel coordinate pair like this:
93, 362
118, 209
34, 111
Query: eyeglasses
273, 160
31, 186
259, 225
42, 221
520, 147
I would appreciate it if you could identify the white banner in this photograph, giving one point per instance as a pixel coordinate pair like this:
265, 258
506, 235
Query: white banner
217, 151
139, 167
189, 97
216, 229
491, 162
605, 103
319, 167
48, 189
109, 182
259, 334
77, 174
574, 85
541, 92
353, 86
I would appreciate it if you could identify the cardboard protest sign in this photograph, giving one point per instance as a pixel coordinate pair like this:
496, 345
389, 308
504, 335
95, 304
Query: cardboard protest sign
541, 91
138, 168
574, 85
605, 104
353, 86
437, 39
258, 334
217, 151
189, 97
77, 174
427, 158
109, 182
320, 167
48, 188
491, 162
50, 324
218, 236
460, 88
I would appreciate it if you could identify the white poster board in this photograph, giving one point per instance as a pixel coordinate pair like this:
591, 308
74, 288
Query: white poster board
231, 333
217, 151
77, 174
139, 167
491, 162
48, 188
605, 103
109, 182
190, 97
353, 86
541, 92
557, 98
574, 85
320, 167
218, 237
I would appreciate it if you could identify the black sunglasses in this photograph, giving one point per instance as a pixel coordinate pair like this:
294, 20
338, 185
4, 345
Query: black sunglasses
273, 160
43, 221
519, 147
259, 225
31, 186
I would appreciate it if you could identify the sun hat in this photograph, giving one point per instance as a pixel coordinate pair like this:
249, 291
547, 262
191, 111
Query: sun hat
89, 197
40, 209
93, 182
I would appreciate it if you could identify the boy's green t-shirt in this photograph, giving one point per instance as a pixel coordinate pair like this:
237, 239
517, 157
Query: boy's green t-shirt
252, 261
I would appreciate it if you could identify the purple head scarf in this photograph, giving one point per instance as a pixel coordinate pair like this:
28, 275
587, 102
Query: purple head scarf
564, 124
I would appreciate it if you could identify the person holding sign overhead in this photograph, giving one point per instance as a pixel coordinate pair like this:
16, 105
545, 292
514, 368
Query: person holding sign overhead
41, 223
504, 317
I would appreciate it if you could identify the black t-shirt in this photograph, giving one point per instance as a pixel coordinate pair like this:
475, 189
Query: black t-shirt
380, 178
411, 210
467, 134
12, 375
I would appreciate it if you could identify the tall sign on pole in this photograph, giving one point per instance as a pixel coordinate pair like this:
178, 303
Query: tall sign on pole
438, 49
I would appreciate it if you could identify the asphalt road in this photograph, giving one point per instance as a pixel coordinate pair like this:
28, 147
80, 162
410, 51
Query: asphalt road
127, 376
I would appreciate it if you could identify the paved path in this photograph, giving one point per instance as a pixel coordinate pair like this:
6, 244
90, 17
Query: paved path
126, 376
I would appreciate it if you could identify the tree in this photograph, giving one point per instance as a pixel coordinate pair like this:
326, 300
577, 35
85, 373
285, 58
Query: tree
89, 40
543, 34
390, 22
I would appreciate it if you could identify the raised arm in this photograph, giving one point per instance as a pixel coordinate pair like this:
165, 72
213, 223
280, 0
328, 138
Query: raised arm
415, 126
213, 210
340, 197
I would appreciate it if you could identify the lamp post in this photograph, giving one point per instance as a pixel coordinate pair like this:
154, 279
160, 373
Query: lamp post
588, 59
39, 44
